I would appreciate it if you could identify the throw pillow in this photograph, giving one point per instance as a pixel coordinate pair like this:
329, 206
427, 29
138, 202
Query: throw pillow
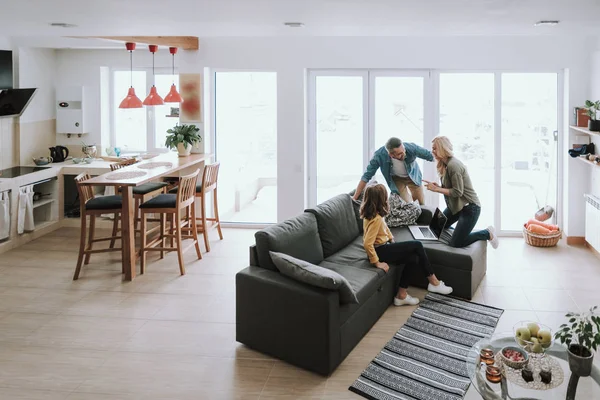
402, 213
311, 274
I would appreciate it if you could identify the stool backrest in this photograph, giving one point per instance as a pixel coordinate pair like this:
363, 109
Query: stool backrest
86, 193
186, 191
209, 177
122, 164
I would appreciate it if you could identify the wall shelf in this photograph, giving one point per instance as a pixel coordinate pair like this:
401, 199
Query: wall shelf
583, 160
584, 130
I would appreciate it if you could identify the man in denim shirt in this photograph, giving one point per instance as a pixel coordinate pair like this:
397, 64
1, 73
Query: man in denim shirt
398, 163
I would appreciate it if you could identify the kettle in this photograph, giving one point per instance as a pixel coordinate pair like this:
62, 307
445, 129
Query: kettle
59, 153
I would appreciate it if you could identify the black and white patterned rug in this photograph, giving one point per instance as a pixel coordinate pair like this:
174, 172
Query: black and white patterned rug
426, 358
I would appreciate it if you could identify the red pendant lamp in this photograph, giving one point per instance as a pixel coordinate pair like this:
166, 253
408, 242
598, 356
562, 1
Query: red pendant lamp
131, 101
153, 98
173, 96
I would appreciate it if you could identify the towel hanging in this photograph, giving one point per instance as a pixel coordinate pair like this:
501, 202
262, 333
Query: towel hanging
25, 221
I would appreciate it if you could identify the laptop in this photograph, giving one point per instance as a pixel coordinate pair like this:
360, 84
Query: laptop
431, 232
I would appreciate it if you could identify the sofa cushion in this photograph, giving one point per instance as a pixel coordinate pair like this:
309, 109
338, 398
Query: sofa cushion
297, 237
442, 254
337, 223
314, 275
363, 281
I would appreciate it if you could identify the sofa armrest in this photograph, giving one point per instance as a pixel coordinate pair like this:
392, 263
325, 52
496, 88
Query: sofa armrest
426, 215
290, 320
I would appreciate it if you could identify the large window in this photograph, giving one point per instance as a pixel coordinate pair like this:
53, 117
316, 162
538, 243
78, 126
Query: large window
142, 129
246, 145
503, 127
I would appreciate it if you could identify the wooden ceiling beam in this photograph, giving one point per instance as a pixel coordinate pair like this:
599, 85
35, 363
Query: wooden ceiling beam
182, 42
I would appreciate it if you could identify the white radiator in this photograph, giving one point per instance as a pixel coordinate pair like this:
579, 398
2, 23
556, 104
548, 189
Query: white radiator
592, 221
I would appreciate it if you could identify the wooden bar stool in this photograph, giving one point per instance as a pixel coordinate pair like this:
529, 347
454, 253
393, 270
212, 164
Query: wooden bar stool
205, 186
94, 206
176, 205
141, 193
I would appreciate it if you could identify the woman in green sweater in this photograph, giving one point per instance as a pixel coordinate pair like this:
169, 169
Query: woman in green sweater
463, 206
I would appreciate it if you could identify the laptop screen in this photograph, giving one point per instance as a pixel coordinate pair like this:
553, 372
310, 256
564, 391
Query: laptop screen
437, 223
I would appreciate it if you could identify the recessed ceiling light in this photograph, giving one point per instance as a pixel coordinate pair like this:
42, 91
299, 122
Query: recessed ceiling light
294, 24
546, 23
62, 25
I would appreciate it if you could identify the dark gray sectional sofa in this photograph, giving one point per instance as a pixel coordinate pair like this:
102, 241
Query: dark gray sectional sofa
306, 325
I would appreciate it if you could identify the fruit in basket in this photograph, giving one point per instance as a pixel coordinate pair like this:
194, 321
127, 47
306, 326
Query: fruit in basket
545, 338
523, 334
533, 329
536, 347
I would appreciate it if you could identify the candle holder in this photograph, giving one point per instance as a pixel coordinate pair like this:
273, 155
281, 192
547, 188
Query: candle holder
493, 374
487, 356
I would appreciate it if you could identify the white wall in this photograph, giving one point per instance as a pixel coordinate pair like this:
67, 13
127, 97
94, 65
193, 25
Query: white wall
37, 69
290, 57
594, 187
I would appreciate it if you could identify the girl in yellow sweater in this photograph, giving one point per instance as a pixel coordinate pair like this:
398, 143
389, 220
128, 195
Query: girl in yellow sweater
381, 248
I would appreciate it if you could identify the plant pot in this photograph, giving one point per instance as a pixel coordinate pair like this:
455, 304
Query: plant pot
581, 366
594, 125
183, 152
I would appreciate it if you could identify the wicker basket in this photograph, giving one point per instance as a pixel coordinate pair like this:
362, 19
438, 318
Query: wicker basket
537, 240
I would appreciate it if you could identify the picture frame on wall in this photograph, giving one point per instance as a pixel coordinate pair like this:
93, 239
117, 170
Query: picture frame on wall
191, 93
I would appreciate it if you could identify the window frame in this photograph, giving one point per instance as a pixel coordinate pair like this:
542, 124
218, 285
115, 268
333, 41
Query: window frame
150, 111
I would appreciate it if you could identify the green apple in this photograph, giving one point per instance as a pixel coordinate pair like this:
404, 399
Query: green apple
545, 337
533, 328
537, 348
523, 334
534, 340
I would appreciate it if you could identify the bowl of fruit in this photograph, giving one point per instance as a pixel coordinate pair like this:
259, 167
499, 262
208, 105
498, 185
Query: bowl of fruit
514, 357
533, 337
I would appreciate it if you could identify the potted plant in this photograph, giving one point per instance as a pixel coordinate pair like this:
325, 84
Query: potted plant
182, 138
592, 110
582, 337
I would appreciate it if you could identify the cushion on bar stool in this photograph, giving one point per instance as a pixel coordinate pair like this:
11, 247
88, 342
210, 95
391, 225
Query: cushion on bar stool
104, 203
148, 187
198, 188
161, 201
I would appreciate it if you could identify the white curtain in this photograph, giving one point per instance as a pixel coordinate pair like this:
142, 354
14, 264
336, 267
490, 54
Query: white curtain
25, 215
4, 215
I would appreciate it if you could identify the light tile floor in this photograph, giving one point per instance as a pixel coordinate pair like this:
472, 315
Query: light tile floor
163, 336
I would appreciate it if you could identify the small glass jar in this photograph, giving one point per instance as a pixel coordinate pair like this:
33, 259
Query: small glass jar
546, 373
493, 374
487, 356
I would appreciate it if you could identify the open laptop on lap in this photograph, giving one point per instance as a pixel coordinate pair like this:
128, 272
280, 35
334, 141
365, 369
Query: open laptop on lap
433, 231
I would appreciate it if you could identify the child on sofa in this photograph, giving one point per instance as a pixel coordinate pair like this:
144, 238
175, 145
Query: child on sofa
381, 248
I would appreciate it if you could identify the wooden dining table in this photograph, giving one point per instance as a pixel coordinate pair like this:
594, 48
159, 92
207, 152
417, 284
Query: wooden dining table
167, 164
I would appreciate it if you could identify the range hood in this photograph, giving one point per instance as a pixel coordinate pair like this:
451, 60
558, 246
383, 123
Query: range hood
14, 101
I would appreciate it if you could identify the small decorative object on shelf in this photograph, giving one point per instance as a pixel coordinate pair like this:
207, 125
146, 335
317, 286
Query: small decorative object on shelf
581, 335
527, 374
592, 111
89, 150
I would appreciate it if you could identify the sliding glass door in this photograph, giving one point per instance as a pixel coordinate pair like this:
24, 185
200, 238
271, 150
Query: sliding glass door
467, 119
246, 145
354, 113
397, 108
529, 162
338, 133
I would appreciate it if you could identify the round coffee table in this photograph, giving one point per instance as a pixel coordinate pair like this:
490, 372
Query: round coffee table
571, 388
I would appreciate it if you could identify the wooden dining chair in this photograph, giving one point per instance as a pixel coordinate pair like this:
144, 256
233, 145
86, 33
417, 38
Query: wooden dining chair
94, 206
141, 193
177, 206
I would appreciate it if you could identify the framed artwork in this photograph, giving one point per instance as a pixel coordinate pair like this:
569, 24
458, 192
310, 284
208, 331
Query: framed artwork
191, 92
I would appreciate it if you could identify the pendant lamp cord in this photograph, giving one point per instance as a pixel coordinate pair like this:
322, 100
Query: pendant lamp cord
153, 75
131, 67
173, 70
